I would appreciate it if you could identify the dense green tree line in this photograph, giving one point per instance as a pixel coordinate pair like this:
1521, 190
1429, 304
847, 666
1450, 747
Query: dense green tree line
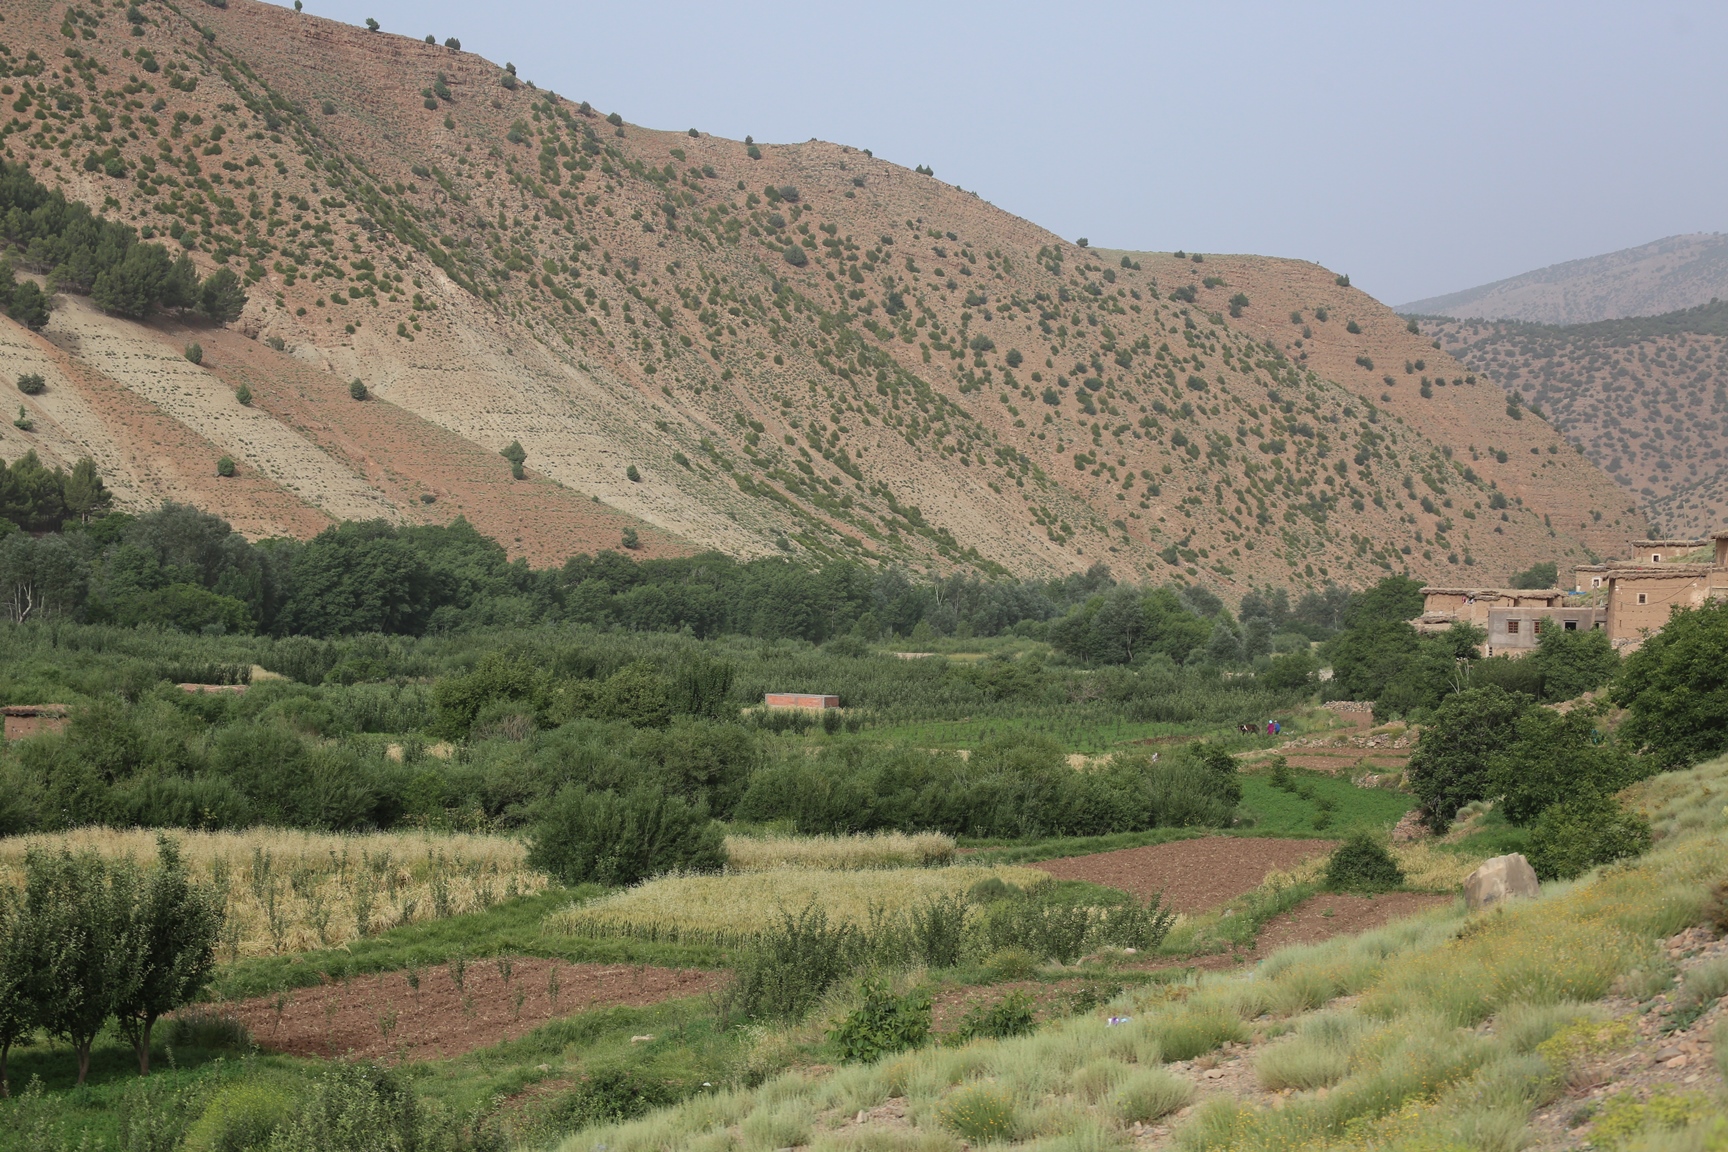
184, 569
81, 251
649, 730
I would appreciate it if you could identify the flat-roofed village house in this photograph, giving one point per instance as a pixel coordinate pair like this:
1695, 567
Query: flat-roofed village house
1629, 599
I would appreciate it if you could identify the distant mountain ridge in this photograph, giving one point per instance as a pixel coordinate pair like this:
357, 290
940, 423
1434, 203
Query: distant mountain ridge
1665, 275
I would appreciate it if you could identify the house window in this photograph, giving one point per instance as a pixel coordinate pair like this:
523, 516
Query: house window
1656, 558
1571, 625
1643, 598
1537, 627
1511, 627
1595, 581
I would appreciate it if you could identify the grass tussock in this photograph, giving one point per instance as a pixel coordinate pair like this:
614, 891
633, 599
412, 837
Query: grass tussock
292, 891
734, 909
839, 853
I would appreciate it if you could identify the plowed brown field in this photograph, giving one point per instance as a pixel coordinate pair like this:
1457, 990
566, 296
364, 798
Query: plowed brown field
1192, 875
386, 1017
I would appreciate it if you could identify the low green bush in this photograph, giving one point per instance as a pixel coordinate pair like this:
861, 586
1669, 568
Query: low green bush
240, 1117
1185, 1035
622, 838
787, 970
1148, 1095
1362, 865
882, 1024
1009, 1016
1572, 837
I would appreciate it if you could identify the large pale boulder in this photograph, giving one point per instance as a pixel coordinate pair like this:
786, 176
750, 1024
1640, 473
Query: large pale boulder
1499, 879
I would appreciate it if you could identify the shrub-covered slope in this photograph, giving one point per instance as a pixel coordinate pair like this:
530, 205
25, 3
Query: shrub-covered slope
751, 347
1646, 399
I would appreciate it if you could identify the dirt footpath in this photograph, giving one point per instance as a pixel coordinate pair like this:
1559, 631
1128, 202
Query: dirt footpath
1193, 875
387, 1017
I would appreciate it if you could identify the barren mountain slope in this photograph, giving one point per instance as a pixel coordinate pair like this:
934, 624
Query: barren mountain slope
146, 456
794, 348
1646, 398
1663, 276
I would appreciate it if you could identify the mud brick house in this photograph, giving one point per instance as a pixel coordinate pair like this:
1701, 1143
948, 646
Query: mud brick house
1629, 599
812, 701
26, 720
1644, 590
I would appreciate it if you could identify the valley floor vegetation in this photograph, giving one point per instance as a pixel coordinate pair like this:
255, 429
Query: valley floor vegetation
510, 772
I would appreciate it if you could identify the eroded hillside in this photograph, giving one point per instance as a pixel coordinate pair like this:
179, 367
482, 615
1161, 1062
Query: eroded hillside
742, 346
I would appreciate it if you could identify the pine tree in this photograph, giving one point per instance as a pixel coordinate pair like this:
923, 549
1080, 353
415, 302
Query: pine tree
85, 493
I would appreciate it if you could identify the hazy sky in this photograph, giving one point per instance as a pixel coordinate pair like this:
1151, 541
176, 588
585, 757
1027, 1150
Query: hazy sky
1420, 148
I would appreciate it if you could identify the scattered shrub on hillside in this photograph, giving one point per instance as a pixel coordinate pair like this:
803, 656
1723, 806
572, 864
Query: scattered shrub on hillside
1063, 922
1279, 774
1361, 865
1148, 1094
30, 305
608, 1095
244, 395
357, 389
225, 466
618, 839
195, 353
883, 1023
1578, 834
518, 456
1543, 575
631, 474
794, 255
629, 539
31, 383
363, 1107
240, 1116
208, 1028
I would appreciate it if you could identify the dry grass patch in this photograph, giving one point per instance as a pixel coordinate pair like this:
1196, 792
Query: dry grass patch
838, 853
1430, 869
731, 909
292, 891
